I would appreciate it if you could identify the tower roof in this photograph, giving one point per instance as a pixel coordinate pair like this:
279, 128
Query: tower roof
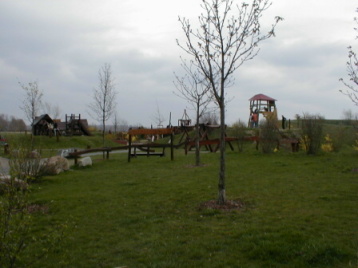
262, 97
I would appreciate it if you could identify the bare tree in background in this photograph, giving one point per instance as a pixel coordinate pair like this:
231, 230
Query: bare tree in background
123, 125
16, 124
194, 88
11, 123
227, 37
158, 117
33, 100
352, 70
53, 111
115, 122
210, 117
104, 97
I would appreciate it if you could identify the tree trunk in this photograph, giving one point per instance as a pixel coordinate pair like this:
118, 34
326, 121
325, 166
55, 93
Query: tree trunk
221, 186
197, 139
103, 132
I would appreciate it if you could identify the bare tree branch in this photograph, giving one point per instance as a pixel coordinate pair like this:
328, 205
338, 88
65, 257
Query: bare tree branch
352, 70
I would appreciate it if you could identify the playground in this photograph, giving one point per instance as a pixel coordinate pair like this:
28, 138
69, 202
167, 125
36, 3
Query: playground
261, 107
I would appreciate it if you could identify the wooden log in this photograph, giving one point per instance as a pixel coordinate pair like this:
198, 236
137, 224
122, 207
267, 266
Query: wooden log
145, 154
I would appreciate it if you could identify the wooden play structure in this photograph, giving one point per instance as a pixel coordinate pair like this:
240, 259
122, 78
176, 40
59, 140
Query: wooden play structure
264, 106
185, 120
211, 145
43, 125
261, 104
282, 141
74, 125
136, 149
147, 149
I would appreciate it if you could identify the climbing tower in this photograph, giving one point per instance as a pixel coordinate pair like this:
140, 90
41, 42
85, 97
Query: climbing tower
262, 105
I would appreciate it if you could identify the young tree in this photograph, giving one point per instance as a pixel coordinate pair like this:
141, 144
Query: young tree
225, 40
32, 102
115, 122
210, 117
104, 97
158, 117
53, 111
352, 69
312, 132
194, 88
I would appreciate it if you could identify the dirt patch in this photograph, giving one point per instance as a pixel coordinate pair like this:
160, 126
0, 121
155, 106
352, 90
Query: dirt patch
229, 205
36, 208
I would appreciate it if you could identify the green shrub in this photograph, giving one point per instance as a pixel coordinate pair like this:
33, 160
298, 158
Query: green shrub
312, 133
269, 135
238, 130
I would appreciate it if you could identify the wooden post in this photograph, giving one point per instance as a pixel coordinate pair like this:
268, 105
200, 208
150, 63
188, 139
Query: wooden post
107, 154
129, 148
75, 157
6, 149
172, 146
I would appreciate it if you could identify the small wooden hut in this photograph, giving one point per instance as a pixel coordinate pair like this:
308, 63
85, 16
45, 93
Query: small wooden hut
43, 125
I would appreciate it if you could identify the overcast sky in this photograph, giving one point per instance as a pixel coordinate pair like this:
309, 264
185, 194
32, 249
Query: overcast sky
62, 44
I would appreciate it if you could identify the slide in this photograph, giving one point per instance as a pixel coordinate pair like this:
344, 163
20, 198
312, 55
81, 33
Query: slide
84, 128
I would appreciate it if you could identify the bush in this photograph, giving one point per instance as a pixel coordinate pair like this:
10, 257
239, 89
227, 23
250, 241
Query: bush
312, 133
14, 224
238, 130
328, 145
17, 228
269, 135
26, 165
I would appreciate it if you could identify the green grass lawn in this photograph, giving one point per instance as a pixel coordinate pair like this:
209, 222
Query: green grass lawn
49, 146
300, 211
